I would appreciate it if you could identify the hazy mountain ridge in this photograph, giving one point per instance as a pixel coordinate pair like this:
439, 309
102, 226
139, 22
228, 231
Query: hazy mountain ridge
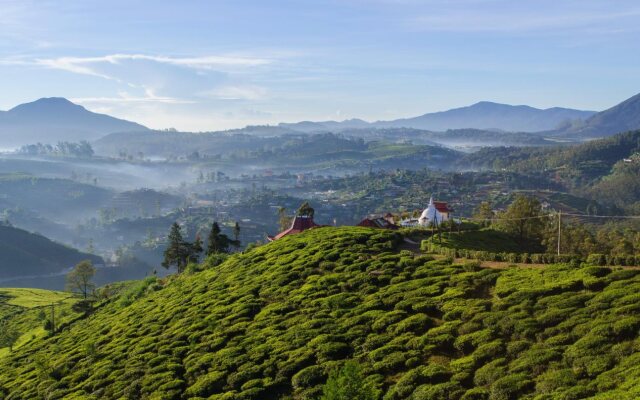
482, 115
53, 119
619, 118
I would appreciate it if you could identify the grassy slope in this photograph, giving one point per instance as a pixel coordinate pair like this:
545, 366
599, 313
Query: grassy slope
484, 240
24, 308
270, 324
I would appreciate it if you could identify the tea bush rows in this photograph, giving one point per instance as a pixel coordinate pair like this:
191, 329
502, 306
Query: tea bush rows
273, 322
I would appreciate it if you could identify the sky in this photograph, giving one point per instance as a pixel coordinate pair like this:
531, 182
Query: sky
218, 64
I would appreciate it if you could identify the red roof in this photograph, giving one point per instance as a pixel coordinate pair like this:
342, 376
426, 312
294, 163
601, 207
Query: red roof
442, 206
300, 223
377, 223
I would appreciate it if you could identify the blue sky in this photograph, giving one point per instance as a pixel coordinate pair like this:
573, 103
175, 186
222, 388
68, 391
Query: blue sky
208, 65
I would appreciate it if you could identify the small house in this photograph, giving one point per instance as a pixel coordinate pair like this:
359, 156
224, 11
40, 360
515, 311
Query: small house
299, 224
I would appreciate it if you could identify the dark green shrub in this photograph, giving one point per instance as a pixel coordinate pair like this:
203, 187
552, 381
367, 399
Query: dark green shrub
510, 387
597, 259
308, 377
553, 380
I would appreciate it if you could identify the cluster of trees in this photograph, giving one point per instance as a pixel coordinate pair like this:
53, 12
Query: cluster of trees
79, 149
532, 227
180, 252
212, 176
284, 220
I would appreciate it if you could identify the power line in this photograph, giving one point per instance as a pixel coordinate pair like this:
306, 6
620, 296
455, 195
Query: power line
509, 219
605, 216
552, 215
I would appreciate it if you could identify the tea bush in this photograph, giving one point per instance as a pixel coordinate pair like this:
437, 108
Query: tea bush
276, 321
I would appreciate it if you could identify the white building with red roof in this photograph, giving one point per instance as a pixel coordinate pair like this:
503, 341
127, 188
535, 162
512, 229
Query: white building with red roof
436, 213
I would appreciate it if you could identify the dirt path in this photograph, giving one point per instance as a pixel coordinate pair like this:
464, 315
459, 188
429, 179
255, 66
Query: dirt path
505, 264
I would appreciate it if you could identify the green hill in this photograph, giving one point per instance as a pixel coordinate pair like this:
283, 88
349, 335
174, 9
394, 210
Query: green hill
24, 254
25, 310
61, 200
272, 322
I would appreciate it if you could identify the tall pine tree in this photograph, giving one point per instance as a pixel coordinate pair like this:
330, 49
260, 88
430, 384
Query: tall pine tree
178, 251
218, 243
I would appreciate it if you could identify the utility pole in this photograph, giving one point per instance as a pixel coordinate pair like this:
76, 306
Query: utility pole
53, 318
559, 229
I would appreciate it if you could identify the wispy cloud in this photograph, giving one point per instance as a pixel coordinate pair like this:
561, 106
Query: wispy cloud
124, 97
92, 65
203, 62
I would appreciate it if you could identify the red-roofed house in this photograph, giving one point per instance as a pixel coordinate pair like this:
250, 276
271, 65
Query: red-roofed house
300, 223
381, 223
443, 208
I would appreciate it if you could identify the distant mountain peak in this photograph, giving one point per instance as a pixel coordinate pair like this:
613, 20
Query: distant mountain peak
491, 115
622, 117
47, 103
53, 119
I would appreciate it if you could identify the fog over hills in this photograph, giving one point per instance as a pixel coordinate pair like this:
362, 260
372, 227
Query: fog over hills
53, 119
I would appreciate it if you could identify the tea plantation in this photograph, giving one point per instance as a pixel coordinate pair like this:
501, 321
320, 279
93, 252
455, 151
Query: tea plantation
25, 311
271, 323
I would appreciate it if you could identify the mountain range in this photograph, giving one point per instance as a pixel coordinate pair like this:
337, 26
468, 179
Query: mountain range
49, 120
482, 115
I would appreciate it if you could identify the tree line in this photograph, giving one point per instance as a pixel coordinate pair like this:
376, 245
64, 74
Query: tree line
532, 227
180, 252
73, 149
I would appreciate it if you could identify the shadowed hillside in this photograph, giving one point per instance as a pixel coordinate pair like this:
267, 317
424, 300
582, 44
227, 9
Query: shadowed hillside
24, 254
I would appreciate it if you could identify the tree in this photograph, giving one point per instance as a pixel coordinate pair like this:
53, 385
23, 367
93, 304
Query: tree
79, 279
283, 219
195, 249
236, 232
9, 335
348, 383
306, 210
484, 212
523, 219
575, 238
178, 251
218, 242
83, 306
